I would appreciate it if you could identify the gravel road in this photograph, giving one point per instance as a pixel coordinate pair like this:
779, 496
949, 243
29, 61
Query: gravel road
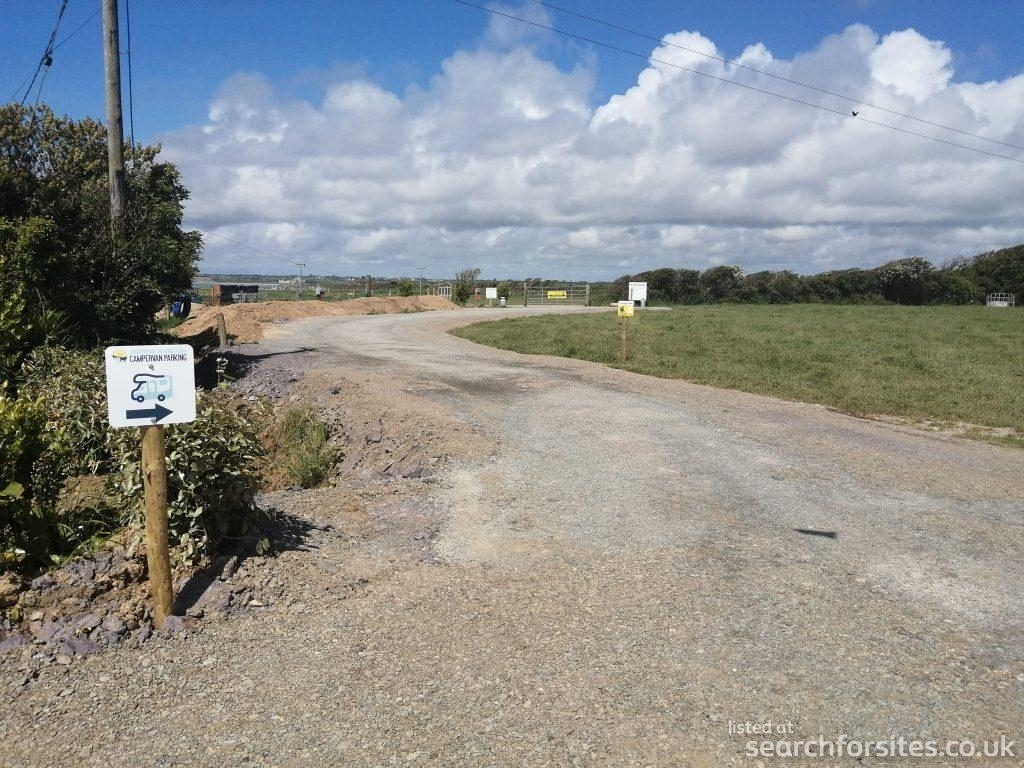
637, 565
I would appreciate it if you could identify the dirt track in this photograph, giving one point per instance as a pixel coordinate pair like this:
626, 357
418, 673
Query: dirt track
245, 322
622, 578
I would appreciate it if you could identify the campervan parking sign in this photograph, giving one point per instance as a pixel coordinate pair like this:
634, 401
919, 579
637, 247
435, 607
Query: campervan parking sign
153, 384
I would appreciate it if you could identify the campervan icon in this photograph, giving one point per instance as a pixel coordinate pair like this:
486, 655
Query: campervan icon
151, 386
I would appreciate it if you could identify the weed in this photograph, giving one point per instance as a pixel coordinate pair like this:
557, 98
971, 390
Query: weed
302, 440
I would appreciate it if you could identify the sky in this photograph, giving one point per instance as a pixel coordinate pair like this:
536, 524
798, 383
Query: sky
379, 137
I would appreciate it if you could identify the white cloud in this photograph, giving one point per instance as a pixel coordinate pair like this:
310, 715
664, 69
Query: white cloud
913, 65
505, 162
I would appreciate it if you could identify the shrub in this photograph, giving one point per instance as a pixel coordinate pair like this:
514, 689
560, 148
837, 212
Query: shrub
55, 228
465, 284
54, 435
212, 476
22, 532
904, 281
619, 289
406, 287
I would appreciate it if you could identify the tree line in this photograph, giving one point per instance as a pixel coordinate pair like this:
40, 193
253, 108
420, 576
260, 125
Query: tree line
912, 280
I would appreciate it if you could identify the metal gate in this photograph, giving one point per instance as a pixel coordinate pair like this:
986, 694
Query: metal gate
558, 294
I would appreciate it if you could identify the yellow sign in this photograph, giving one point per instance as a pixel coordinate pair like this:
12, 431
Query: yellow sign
558, 294
624, 309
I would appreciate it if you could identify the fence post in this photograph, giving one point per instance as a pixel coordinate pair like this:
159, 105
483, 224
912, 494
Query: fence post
222, 331
526, 293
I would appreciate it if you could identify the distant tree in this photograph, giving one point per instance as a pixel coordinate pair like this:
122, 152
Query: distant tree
905, 281
999, 271
661, 285
943, 287
504, 288
687, 288
721, 283
844, 286
465, 285
618, 290
55, 234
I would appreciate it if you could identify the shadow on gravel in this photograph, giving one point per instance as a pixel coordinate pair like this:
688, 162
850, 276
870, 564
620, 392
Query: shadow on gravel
812, 532
238, 366
282, 532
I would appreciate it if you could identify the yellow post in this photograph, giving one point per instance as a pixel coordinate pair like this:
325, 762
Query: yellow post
625, 311
158, 557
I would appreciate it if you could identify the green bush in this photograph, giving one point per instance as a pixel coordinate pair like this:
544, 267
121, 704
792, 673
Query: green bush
465, 285
302, 440
212, 477
23, 534
406, 287
55, 433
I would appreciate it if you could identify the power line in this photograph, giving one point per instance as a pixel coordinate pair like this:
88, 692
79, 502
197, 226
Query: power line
735, 63
77, 29
243, 245
47, 58
737, 83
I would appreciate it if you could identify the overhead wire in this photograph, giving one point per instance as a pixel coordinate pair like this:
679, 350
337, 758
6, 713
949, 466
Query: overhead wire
243, 245
67, 37
46, 60
741, 65
749, 87
77, 29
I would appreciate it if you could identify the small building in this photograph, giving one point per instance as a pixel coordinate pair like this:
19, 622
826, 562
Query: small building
227, 293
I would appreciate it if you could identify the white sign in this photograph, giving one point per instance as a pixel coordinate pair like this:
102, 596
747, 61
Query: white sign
637, 291
491, 293
153, 384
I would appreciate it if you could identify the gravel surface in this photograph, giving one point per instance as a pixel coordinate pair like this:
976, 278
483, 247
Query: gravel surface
630, 565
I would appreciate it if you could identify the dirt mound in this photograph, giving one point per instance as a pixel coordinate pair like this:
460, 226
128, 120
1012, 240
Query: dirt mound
245, 321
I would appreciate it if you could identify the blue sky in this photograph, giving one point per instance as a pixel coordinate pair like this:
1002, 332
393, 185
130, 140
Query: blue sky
285, 59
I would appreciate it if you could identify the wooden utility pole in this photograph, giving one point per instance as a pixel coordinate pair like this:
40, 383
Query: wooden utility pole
115, 122
158, 558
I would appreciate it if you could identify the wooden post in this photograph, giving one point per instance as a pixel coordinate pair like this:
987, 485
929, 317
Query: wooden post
624, 339
158, 558
586, 303
222, 330
526, 291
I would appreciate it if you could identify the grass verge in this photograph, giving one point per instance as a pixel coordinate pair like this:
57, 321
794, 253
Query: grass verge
946, 367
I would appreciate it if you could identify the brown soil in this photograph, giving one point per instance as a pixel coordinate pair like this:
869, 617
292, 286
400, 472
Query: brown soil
245, 321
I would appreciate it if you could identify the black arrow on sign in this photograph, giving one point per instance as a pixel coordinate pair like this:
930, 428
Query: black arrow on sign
155, 413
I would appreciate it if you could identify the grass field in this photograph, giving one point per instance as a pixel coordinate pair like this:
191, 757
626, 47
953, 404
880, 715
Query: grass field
943, 364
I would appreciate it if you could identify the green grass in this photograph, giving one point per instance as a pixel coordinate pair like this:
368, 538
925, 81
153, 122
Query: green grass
167, 323
303, 442
945, 364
